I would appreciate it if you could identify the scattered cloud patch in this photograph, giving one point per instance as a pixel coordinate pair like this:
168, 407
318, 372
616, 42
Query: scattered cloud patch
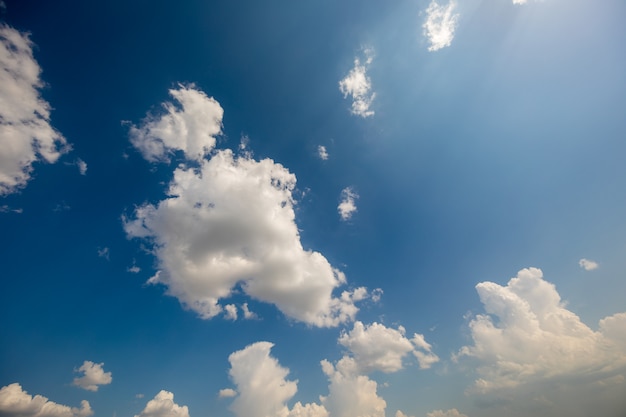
82, 166
588, 265
440, 24
423, 352
230, 222
104, 253
358, 85
322, 152
163, 405
7, 209
247, 314
377, 294
15, 402
347, 206
227, 393
134, 269
93, 376
230, 312
139, 396
26, 135
450, 413
190, 126
535, 338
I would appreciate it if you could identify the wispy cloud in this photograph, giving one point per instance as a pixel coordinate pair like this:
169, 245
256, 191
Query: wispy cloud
26, 135
322, 152
358, 85
104, 253
347, 206
440, 24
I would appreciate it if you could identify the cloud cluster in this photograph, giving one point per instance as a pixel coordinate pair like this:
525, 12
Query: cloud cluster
347, 206
163, 405
93, 376
375, 347
322, 152
440, 24
26, 135
536, 338
15, 402
358, 85
229, 223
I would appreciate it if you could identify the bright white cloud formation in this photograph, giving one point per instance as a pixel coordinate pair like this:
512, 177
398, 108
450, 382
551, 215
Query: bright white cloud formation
347, 206
379, 348
358, 85
190, 127
15, 402
322, 152
82, 166
230, 222
26, 135
535, 338
588, 265
262, 387
440, 24
93, 376
227, 393
163, 405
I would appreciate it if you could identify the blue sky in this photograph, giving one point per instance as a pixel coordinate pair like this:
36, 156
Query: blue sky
312, 209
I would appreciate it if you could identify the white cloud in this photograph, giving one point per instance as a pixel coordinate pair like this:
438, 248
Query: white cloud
535, 338
93, 376
190, 127
351, 394
450, 413
230, 222
262, 387
227, 393
104, 253
423, 352
588, 265
134, 269
82, 166
440, 24
358, 85
347, 206
26, 135
322, 152
376, 347
230, 312
163, 405
15, 402
401, 414
247, 314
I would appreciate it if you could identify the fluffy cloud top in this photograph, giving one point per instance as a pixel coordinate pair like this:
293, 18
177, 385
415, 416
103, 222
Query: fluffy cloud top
351, 394
440, 24
588, 265
230, 221
190, 127
26, 135
358, 85
15, 402
93, 376
163, 405
263, 389
347, 206
536, 338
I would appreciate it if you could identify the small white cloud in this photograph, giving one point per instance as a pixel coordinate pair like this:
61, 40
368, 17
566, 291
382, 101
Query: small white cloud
230, 312
15, 402
26, 135
6, 209
104, 253
227, 393
93, 376
82, 166
247, 314
423, 352
347, 206
450, 413
377, 294
588, 264
190, 127
163, 405
139, 396
440, 24
358, 85
322, 152
134, 269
